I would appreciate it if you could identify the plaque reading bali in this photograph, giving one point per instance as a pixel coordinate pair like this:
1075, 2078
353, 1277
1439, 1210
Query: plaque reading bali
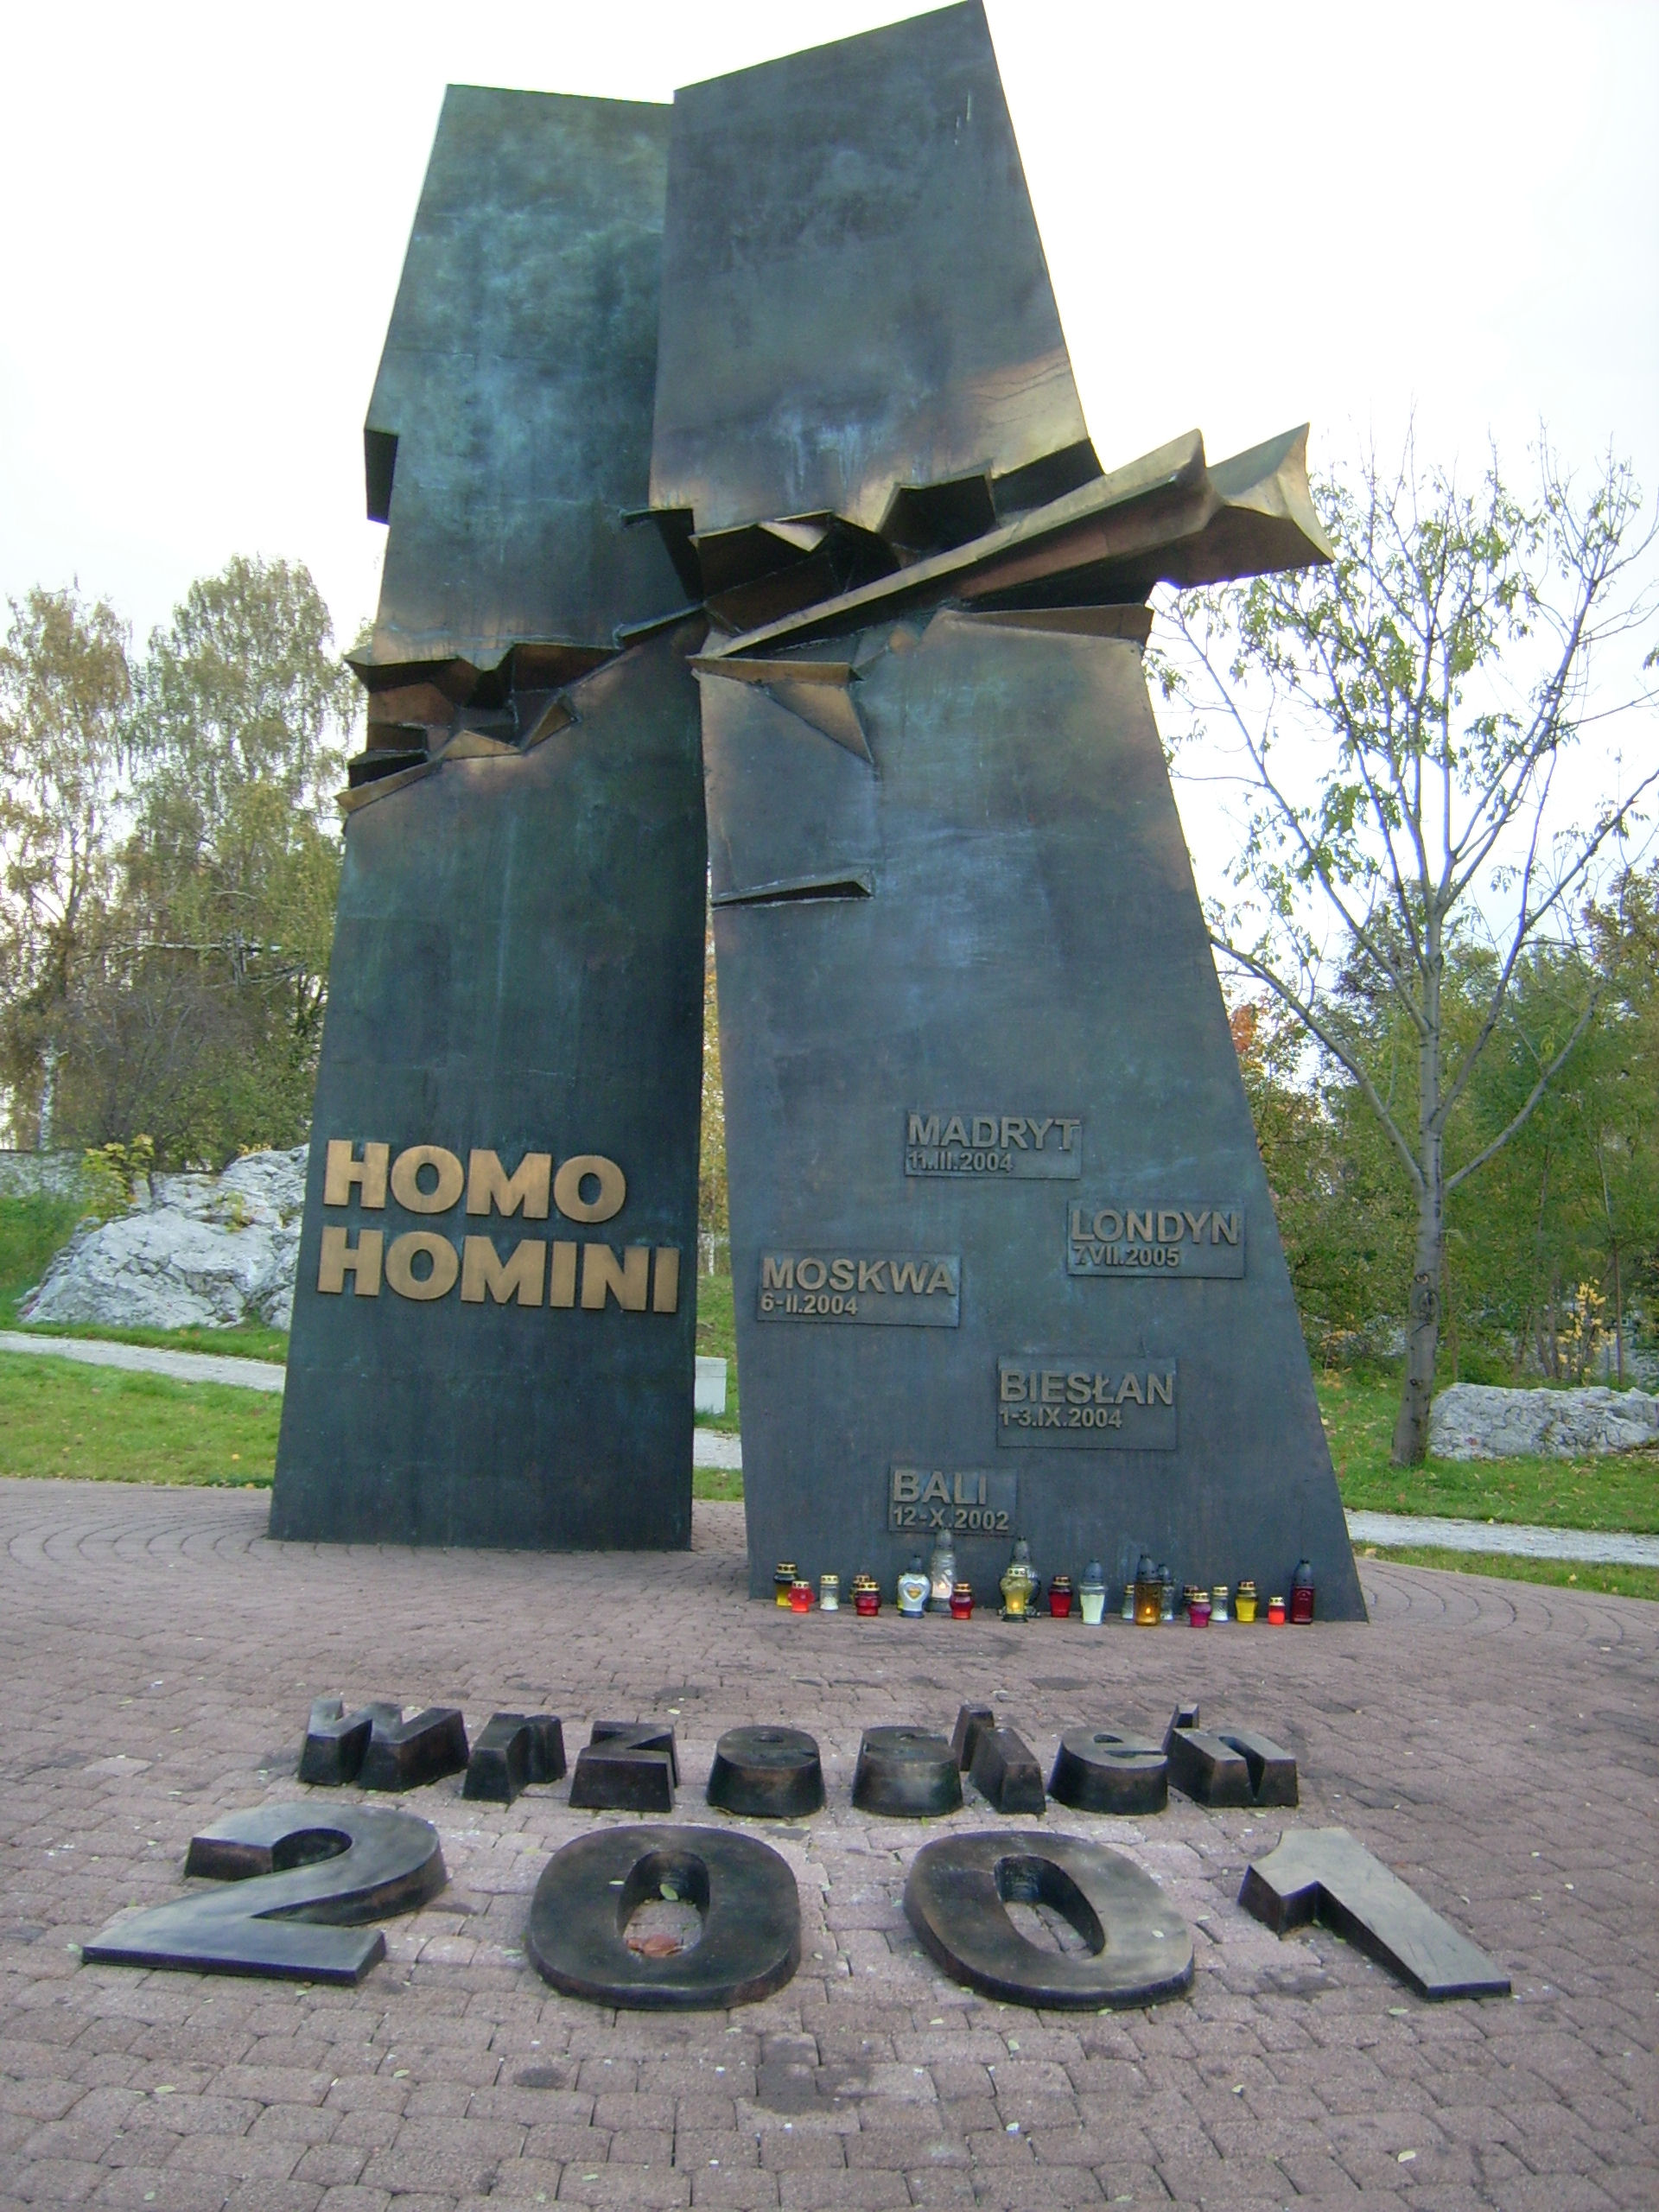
961, 953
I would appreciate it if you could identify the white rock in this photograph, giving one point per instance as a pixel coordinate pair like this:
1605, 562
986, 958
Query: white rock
203, 1251
1473, 1421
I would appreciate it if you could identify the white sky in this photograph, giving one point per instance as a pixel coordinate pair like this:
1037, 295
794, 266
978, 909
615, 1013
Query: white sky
1254, 215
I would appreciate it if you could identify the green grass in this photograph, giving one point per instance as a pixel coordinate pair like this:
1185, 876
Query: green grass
1611, 1580
1620, 1490
93, 1424
717, 1339
31, 1230
245, 1341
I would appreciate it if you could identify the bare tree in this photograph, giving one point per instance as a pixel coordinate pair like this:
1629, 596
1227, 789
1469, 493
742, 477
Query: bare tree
1403, 722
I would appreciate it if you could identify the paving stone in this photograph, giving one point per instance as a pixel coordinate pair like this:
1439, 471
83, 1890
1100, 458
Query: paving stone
163, 1654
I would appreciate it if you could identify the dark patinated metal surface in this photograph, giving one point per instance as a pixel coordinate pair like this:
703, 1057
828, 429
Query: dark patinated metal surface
518, 965
769, 1773
854, 298
404, 1754
1227, 1766
994, 916
627, 1767
1138, 1949
1324, 1874
970, 1719
1098, 1770
297, 1883
908, 1774
1005, 1771
336, 1741
749, 1946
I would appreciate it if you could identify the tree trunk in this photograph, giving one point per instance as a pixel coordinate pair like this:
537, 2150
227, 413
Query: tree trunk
1423, 1331
1619, 1316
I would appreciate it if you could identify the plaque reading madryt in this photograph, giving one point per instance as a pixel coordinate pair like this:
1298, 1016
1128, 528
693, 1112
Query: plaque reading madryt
953, 1502
1118, 1239
880, 1288
1025, 1147
1092, 1405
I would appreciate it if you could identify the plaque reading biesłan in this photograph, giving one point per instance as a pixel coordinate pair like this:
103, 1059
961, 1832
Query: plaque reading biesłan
1087, 1405
1155, 1240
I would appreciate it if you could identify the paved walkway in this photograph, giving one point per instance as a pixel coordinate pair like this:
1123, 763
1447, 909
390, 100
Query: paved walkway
1491, 1741
1516, 1539
145, 1359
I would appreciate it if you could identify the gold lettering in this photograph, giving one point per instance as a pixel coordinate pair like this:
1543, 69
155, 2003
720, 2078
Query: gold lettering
1076, 1388
562, 1276
567, 1188
841, 1276
815, 1281
488, 1184
1160, 1388
778, 1275
519, 1276
1103, 1389
344, 1169
1012, 1386
923, 1132
908, 1275
1108, 1235
361, 1259
404, 1251
406, 1178
666, 1280
1195, 1221
626, 1278
937, 1487
906, 1485
955, 1131
988, 1122
1014, 1131
870, 1273
1224, 1226
1139, 1225
942, 1278
1038, 1131
1066, 1127
1054, 1387
1078, 1227
1166, 1235
1130, 1388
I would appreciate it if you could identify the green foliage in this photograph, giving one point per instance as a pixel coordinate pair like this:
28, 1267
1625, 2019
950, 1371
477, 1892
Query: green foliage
1600, 1578
33, 1227
187, 1000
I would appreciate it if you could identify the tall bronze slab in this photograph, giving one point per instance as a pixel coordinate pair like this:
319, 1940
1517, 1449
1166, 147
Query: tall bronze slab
496, 1347
988, 920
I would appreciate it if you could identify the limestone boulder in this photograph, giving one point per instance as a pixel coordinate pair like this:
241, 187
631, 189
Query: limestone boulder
201, 1251
1473, 1420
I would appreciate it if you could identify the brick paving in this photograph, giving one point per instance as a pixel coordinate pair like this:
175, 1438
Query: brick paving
1494, 1741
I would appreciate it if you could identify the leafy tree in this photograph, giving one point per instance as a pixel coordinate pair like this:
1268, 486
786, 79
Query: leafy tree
65, 687
1400, 721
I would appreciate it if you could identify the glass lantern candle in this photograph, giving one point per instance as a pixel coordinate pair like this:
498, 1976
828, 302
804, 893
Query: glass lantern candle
1245, 1602
1129, 1599
1198, 1611
1149, 1594
961, 1601
1301, 1594
1091, 1594
1166, 1601
914, 1589
783, 1581
1275, 1612
828, 1593
1218, 1598
1019, 1584
941, 1574
867, 1596
800, 1595
1060, 1597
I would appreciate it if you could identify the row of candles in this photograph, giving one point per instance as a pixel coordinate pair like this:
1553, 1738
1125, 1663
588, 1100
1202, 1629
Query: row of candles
1149, 1599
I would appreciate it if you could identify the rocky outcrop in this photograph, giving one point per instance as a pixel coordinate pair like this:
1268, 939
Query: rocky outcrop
200, 1251
1473, 1422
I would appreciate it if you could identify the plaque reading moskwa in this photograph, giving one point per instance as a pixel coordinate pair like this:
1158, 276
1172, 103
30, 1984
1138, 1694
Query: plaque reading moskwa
1155, 1240
953, 1502
880, 1288
1052, 1399
1025, 1147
